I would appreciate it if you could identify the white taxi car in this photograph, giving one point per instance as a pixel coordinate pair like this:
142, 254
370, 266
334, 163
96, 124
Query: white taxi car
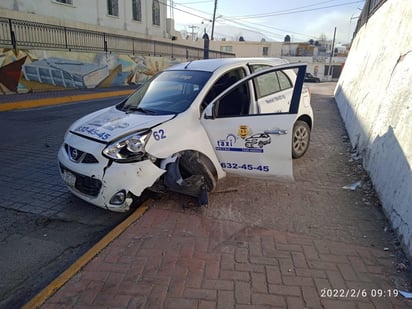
187, 127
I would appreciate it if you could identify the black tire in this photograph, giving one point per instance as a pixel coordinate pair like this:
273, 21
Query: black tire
300, 139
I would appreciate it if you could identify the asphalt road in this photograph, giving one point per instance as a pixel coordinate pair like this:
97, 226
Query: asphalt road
44, 228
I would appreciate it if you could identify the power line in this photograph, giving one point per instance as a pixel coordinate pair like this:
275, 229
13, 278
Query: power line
249, 25
276, 13
297, 10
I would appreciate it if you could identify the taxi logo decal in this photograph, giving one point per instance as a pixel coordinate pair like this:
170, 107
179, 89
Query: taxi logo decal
243, 131
248, 143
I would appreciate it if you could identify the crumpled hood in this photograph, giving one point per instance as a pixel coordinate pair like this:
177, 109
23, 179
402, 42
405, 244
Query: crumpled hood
109, 124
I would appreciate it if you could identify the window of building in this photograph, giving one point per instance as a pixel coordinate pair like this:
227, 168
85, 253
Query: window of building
137, 10
65, 1
265, 51
226, 49
156, 12
113, 7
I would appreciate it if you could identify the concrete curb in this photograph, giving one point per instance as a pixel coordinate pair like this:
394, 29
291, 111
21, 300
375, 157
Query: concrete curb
60, 100
69, 273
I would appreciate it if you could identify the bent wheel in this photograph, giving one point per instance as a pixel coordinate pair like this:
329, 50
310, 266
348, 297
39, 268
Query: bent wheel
193, 164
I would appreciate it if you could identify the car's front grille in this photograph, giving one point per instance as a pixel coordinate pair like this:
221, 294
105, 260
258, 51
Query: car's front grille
85, 184
79, 156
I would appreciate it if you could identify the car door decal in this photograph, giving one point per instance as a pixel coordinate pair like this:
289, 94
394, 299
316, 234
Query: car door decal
245, 141
275, 99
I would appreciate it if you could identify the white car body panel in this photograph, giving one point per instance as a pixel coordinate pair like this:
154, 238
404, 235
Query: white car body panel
237, 158
220, 140
133, 177
186, 134
110, 124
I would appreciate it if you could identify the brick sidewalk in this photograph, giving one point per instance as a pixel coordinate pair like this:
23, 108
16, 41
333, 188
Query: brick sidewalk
172, 259
258, 244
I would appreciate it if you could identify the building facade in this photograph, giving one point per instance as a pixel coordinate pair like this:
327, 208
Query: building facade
147, 17
108, 42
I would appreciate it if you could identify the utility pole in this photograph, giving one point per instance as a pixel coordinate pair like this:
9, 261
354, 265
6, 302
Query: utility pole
193, 31
172, 13
331, 54
213, 20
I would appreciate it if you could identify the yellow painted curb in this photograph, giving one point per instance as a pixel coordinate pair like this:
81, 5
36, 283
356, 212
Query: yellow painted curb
69, 273
60, 100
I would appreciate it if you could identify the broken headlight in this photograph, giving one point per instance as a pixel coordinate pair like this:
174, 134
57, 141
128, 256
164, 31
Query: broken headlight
129, 148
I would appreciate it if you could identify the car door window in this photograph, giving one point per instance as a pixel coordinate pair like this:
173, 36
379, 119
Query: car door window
273, 90
267, 84
284, 80
234, 104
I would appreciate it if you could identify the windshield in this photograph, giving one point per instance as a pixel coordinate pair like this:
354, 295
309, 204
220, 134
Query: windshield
169, 92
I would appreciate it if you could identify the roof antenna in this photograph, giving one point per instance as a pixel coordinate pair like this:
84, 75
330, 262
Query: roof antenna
187, 65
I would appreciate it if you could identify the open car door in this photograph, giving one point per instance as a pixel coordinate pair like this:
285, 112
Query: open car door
255, 145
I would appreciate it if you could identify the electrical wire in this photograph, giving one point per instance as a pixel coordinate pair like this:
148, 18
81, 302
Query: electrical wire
258, 27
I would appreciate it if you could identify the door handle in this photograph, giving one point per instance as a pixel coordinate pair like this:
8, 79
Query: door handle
276, 132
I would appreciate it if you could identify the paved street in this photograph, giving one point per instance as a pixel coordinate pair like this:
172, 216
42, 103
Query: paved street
258, 244
44, 228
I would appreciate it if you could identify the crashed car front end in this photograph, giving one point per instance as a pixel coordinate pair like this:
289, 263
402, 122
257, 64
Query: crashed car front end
91, 174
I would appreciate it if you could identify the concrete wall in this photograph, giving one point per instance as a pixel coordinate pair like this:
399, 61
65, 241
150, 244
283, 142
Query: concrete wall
374, 95
52, 70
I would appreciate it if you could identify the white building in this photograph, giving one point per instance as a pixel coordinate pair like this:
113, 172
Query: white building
147, 17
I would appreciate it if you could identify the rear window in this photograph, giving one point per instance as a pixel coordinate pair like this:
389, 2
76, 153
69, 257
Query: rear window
270, 83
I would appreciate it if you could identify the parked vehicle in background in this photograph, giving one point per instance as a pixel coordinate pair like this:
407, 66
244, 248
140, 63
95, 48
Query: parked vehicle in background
311, 79
187, 127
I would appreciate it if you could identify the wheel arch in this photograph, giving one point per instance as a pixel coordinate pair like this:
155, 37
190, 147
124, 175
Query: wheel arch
307, 119
189, 157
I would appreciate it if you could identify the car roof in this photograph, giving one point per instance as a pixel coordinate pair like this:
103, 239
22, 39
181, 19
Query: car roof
211, 65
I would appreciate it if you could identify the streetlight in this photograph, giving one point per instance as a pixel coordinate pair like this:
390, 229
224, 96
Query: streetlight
207, 21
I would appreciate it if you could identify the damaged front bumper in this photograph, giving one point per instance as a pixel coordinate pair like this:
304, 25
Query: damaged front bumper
102, 182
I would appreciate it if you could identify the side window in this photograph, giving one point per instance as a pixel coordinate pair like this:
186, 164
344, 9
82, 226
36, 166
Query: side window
224, 82
267, 84
270, 83
284, 80
235, 103
273, 90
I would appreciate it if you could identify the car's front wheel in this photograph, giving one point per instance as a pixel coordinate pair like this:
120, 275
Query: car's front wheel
301, 139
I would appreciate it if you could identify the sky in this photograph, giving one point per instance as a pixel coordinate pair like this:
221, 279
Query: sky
271, 20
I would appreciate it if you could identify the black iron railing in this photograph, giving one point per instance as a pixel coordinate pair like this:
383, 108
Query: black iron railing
369, 8
26, 34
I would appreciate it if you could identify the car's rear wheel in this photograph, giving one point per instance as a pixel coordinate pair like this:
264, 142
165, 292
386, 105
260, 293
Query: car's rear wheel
301, 139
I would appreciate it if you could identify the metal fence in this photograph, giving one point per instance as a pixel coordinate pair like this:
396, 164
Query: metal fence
369, 8
26, 34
